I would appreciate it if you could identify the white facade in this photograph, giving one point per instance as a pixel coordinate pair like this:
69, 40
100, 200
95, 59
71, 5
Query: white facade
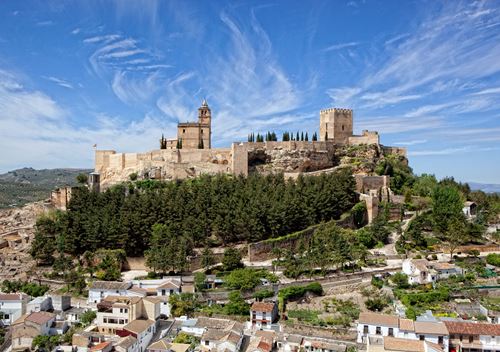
12, 308
97, 295
39, 304
144, 337
364, 330
417, 272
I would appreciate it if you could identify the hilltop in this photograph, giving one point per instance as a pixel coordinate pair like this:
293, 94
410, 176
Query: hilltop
26, 185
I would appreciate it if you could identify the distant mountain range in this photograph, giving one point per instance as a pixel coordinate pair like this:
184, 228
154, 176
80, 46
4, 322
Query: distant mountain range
485, 187
26, 185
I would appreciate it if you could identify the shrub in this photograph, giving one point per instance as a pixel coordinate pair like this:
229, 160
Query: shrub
493, 259
400, 280
377, 282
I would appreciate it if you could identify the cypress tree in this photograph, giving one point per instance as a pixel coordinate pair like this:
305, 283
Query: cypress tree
315, 137
297, 138
302, 136
307, 137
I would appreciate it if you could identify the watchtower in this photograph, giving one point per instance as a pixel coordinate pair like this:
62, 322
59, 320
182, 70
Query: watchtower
335, 125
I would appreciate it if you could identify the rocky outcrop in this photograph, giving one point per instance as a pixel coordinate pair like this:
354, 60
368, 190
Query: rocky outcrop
16, 233
361, 158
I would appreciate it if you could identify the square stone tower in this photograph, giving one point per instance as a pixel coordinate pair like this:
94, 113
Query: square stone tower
197, 134
335, 125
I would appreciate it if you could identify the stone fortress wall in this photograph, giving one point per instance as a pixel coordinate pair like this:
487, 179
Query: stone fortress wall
242, 158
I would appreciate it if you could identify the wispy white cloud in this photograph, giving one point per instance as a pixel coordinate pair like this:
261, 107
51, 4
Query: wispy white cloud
493, 90
76, 31
134, 72
411, 142
340, 46
37, 131
59, 81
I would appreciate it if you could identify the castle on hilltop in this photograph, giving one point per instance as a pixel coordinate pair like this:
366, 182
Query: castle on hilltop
191, 153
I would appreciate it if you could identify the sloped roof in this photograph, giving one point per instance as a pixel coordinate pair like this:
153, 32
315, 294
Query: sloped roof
126, 341
139, 325
406, 325
407, 345
379, 319
263, 306
12, 296
110, 285
467, 328
430, 328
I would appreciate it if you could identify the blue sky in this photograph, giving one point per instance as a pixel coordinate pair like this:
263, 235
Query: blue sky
425, 74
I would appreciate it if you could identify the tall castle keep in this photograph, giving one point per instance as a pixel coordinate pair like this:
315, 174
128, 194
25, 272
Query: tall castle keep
191, 153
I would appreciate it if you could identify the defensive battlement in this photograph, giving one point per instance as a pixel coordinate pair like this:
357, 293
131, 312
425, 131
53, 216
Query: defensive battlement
339, 110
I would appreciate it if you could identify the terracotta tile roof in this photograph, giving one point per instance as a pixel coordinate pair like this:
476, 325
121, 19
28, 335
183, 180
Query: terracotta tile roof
379, 319
40, 318
139, 325
399, 344
110, 285
430, 328
12, 296
467, 328
327, 345
263, 306
406, 325
443, 266
100, 346
117, 300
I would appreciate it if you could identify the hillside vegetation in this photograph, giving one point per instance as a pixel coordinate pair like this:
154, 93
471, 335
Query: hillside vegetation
210, 210
22, 186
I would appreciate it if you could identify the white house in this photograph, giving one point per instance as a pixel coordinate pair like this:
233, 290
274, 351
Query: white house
422, 271
263, 314
473, 337
418, 271
101, 289
29, 326
141, 329
397, 344
169, 287
373, 325
39, 304
13, 306
435, 332
376, 324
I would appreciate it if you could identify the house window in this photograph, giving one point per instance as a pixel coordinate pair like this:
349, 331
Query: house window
422, 337
391, 332
201, 131
163, 292
440, 340
183, 131
342, 127
6, 316
452, 337
365, 329
207, 343
378, 330
171, 291
471, 339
